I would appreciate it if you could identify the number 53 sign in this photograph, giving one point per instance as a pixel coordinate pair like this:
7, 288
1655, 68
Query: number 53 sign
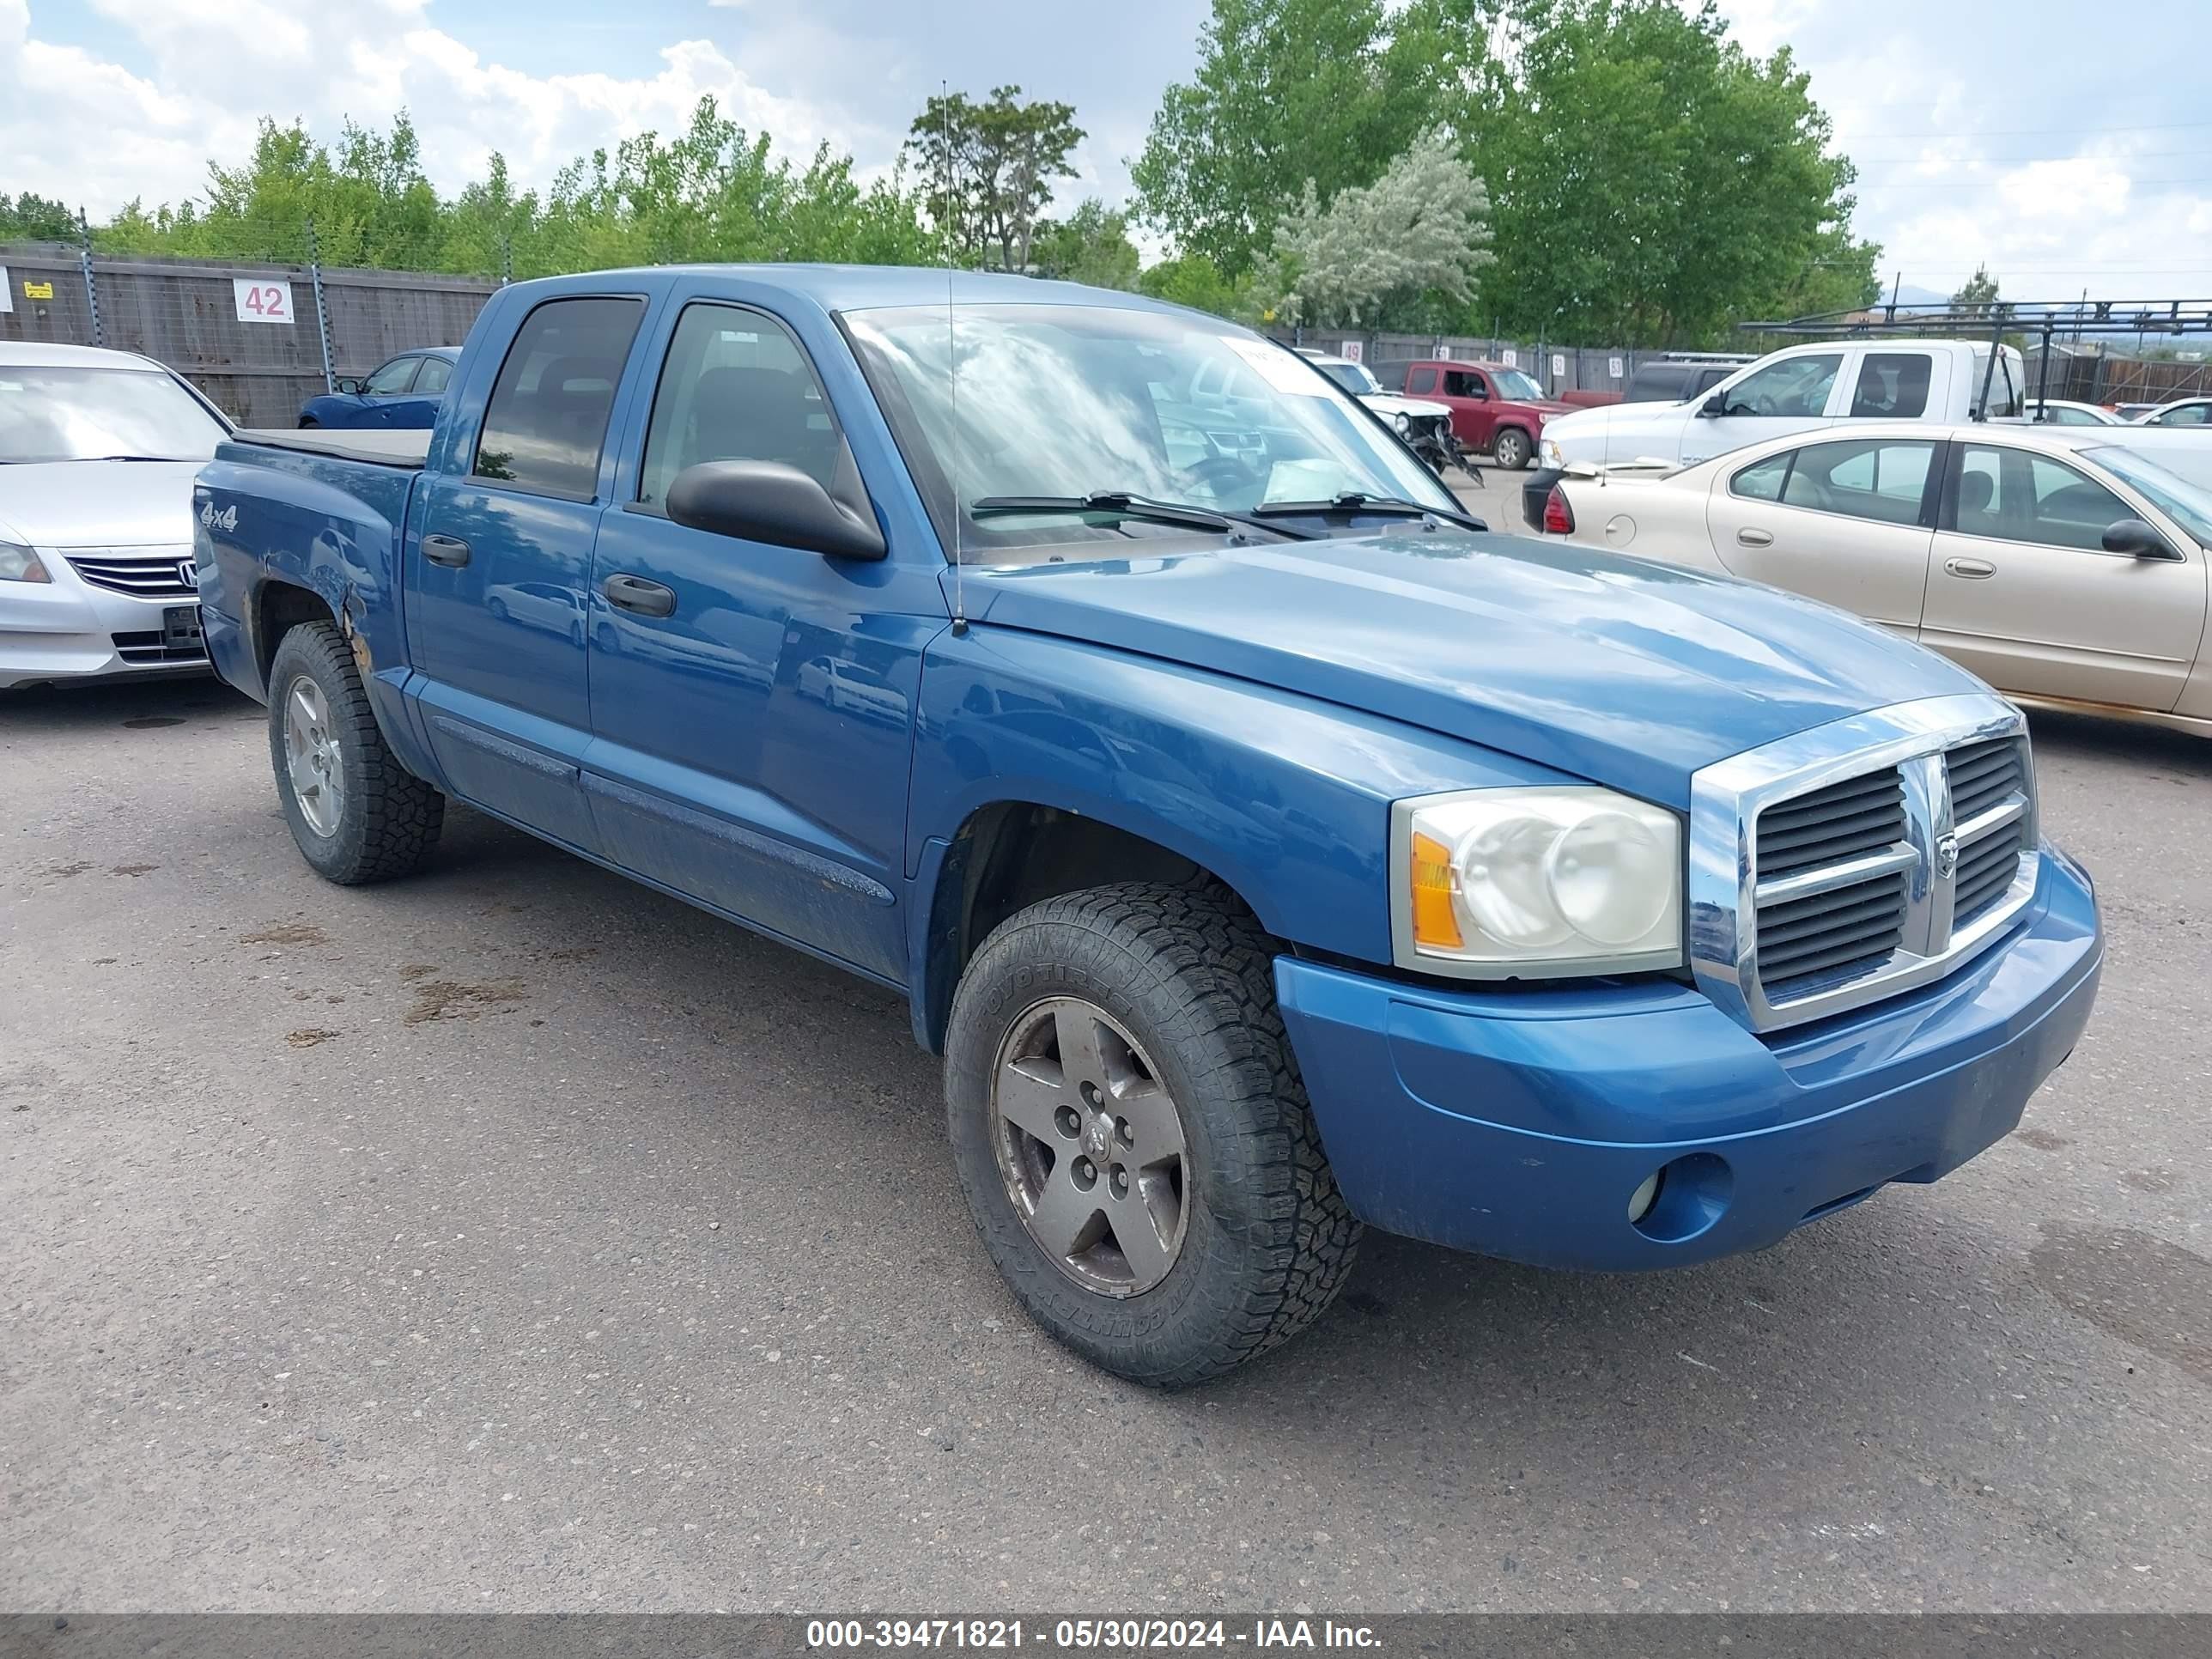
260, 301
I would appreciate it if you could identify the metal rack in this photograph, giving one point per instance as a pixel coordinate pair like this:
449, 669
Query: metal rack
2049, 319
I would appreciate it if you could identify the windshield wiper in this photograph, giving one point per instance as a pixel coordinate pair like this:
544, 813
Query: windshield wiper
1122, 504
1388, 506
130, 457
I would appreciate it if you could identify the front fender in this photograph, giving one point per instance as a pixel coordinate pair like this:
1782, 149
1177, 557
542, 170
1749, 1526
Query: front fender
1285, 798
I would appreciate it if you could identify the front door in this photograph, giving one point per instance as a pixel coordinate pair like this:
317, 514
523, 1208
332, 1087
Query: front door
753, 704
1466, 392
2021, 590
1772, 401
1847, 521
501, 552
419, 410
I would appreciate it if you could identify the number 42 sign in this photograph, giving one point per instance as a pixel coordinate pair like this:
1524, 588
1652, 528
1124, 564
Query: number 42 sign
260, 301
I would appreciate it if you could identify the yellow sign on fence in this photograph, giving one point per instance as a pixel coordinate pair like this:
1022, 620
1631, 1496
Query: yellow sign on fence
37, 290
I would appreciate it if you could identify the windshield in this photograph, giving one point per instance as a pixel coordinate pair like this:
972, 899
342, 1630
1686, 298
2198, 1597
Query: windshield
2187, 504
51, 413
1070, 401
1512, 383
1352, 377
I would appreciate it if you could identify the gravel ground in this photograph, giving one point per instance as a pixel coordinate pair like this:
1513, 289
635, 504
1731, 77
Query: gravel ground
513, 1237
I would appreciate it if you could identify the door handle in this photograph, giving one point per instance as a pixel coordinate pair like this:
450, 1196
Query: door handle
446, 549
1973, 569
635, 593
1755, 538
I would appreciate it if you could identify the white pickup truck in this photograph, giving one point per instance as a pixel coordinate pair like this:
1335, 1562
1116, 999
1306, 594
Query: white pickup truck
1798, 389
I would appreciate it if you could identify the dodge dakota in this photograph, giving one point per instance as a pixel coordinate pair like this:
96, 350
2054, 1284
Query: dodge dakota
1268, 850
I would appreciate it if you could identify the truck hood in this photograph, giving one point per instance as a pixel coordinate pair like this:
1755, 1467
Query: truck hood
1629, 673
98, 503
1620, 432
1389, 402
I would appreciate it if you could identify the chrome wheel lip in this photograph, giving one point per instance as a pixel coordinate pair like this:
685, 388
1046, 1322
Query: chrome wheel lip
1140, 1181
315, 761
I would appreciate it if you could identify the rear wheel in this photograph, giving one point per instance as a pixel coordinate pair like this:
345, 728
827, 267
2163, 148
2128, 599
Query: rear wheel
307, 422
1132, 1137
1511, 450
356, 813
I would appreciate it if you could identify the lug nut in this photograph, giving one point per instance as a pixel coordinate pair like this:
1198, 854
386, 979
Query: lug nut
1124, 1133
1070, 1121
1087, 1173
1120, 1181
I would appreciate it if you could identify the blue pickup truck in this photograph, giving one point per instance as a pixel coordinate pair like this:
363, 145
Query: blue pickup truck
1268, 849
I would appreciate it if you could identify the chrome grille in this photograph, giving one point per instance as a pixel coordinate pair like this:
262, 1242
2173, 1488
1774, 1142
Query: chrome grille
1860, 859
154, 573
1988, 806
1831, 894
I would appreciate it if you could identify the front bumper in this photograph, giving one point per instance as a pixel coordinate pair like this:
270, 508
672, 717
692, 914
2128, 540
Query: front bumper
1518, 1124
67, 629
1535, 490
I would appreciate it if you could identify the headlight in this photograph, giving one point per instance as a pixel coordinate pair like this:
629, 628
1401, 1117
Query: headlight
1405, 422
1493, 882
18, 564
1547, 451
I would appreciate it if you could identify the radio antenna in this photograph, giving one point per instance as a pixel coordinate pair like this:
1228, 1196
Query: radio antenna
951, 364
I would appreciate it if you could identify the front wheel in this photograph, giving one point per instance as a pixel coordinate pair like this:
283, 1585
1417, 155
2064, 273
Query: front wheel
1511, 450
356, 813
1132, 1137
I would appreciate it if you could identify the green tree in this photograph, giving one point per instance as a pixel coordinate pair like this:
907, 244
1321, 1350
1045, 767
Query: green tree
1194, 280
1418, 233
1653, 182
1286, 91
33, 218
1092, 244
991, 168
1977, 294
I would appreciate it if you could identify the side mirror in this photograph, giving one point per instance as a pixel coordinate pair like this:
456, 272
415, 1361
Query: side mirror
346, 383
2137, 539
768, 501
1716, 404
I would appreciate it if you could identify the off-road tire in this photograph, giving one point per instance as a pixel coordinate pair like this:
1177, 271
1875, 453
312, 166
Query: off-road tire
390, 818
1511, 448
1268, 1240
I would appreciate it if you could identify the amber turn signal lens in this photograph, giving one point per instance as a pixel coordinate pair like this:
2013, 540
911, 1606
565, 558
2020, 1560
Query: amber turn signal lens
1434, 923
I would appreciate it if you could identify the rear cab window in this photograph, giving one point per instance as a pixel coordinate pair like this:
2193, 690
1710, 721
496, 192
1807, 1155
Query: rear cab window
545, 426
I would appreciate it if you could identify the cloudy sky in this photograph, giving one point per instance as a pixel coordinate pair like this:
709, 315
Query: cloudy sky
1984, 130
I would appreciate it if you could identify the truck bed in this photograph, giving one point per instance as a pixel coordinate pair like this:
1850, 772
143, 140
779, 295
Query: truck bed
406, 450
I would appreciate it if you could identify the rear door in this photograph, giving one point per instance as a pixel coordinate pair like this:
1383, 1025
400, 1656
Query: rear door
499, 558
1847, 521
2021, 590
1792, 394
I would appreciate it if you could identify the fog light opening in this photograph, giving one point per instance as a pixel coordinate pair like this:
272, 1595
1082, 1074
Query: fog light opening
1639, 1201
1685, 1198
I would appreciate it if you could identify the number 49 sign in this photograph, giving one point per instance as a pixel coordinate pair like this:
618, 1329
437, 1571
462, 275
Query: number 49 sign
260, 301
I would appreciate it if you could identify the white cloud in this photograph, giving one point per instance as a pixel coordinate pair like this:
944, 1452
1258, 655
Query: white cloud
86, 130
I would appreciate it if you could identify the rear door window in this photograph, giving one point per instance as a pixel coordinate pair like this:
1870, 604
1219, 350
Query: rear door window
1762, 481
1880, 479
1892, 385
546, 425
1423, 380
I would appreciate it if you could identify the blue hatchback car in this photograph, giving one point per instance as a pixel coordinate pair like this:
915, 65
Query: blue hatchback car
403, 393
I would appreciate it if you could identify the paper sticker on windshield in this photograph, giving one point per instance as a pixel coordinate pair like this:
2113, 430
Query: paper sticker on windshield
1277, 368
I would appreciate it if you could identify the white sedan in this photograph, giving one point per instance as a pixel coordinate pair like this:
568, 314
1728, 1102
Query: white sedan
2181, 411
2057, 564
98, 450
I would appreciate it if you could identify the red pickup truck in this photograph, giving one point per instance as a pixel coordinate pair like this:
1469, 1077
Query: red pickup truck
1495, 408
